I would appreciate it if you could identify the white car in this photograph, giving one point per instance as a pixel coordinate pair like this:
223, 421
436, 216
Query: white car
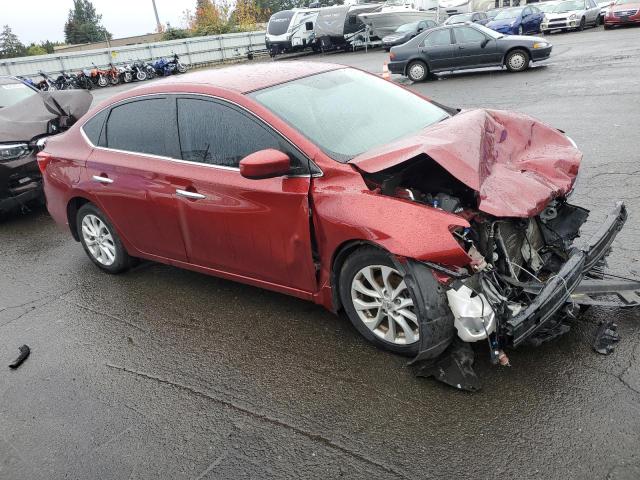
571, 15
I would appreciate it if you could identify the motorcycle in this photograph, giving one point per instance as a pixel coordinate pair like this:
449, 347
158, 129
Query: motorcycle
47, 83
176, 65
139, 71
150, 70
83, 79
99, 77
113, 74
66, 81
125, 72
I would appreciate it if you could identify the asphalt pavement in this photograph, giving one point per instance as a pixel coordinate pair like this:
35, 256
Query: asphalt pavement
165, 373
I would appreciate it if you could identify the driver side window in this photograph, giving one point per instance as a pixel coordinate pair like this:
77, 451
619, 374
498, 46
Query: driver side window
214, 133
468, 35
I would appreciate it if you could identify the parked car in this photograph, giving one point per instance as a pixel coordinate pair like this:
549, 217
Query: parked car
406, 32
460, 47
623, 12
604, 8
27, 118
491, 14
571, 15
517, 20
418, 220
474, 17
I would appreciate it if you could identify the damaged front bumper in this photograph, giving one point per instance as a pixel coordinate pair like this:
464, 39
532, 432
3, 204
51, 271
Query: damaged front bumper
554, 294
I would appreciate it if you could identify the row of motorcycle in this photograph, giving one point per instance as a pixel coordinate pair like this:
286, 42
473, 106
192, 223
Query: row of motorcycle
102, 77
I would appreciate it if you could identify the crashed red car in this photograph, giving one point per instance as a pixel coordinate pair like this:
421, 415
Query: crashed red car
422, 222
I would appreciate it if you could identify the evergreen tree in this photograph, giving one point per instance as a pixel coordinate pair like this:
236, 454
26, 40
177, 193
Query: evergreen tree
10, 45
83, 24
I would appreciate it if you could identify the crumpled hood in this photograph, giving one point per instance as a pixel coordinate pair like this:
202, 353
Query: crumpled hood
516, 163
29, 118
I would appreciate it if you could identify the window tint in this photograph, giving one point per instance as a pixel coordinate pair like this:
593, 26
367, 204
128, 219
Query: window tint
144, 126
438, 38
93, 128
468, 35
217, 134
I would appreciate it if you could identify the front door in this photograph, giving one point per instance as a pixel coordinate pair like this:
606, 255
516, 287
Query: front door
130, 173
473, 48
252, 228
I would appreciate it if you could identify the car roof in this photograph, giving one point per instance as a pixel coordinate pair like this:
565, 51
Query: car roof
252, 76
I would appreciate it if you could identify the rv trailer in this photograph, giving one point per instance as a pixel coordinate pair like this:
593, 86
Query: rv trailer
340, 26
290, 30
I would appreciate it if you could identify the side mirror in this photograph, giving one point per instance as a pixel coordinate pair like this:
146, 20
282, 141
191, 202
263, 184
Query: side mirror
267, 163
484, 43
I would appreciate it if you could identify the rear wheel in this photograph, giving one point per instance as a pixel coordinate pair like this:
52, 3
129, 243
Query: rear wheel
417, 71
517, 60
140, 75
100, 240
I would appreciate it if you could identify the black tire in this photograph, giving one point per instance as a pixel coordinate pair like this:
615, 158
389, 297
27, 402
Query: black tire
583, 23
607, 27
417, 71
517, 60
122, 260
371, 256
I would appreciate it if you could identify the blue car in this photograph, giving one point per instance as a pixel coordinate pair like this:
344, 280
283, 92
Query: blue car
517, 20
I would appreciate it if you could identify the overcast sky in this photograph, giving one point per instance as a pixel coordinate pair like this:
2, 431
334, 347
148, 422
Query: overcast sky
36, 20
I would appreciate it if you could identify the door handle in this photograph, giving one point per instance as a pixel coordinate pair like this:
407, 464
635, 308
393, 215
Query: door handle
98, 178
460, 47
190, 195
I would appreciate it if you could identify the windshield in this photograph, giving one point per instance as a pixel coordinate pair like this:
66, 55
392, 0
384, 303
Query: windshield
509, 13
347, 112
492, 13
12, 91
407, 27
626, 2
547, 7
569, 6
459, 18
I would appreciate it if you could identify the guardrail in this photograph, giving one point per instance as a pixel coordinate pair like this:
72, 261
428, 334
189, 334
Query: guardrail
193, 51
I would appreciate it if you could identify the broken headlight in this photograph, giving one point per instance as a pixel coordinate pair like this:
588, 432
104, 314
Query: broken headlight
13, 151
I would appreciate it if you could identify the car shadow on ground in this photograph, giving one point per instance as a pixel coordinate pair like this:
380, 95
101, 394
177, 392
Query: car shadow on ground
480, 72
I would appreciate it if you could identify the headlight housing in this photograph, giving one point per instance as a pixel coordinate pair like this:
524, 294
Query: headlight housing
540, 45
13, 151
572, 16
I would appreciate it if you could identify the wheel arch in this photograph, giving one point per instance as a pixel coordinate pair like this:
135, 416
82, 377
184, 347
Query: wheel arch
73, 205
340, 255
417, 58
516, 47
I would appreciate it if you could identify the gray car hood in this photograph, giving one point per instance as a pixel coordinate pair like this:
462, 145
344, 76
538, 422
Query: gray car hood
30, 118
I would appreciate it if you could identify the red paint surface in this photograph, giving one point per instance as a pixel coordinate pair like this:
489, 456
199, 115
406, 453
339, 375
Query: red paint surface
515, 162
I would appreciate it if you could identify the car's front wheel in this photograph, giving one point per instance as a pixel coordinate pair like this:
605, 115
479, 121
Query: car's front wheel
583, 23
417, 71
100, 240
517, 61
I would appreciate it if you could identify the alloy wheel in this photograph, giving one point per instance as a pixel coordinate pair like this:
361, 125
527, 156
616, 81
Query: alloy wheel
383, 303
98, 239
416, 71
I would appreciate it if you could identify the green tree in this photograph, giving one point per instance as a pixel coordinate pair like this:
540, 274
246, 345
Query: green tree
83, 24
35, 49
175, 34
10, 45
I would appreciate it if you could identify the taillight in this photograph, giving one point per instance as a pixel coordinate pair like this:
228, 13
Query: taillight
43, 161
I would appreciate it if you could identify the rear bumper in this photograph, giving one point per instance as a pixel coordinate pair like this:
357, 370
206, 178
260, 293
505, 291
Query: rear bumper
557, 290
397, 67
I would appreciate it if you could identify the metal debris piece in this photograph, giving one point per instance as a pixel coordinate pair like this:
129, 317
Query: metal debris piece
25, 351
606, 337
454, 367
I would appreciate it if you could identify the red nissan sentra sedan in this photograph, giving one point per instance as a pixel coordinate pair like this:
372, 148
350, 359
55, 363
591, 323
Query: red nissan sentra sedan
422, 222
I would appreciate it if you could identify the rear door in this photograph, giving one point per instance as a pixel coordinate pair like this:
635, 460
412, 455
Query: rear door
473, 48
130, 173
250, 228
593, 11
437, 49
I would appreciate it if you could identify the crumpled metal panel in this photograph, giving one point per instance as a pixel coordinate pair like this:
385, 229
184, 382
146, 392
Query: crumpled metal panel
516, 163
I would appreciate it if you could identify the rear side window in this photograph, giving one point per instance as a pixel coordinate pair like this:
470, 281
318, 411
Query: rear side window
438, 38
142, 126
93, 128
217, 134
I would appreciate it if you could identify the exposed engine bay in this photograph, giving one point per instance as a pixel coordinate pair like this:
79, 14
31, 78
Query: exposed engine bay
521, 272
